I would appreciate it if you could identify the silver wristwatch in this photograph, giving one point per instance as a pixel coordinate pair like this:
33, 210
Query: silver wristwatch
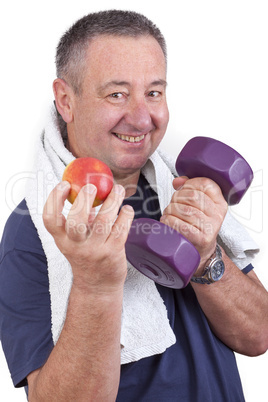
214, 269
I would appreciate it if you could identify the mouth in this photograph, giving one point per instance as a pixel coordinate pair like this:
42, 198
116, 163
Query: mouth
130, 138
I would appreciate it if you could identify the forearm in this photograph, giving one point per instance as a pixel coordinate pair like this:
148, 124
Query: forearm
85, 363
237, 310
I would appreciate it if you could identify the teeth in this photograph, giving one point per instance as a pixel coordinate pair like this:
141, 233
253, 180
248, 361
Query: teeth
129, 138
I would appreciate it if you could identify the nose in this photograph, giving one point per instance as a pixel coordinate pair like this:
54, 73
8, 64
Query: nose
138, 117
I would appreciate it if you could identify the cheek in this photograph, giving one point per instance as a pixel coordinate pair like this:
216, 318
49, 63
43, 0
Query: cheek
161, 119
106, 118
165, 118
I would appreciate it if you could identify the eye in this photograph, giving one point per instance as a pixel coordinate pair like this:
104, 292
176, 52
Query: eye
154, 94
116, 95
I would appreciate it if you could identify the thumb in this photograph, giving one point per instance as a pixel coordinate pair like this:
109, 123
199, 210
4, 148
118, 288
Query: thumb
179, 182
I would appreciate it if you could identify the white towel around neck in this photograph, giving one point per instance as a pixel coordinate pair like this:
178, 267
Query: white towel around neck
145, 329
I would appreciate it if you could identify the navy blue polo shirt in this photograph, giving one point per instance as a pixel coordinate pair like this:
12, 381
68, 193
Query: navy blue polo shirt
197, 368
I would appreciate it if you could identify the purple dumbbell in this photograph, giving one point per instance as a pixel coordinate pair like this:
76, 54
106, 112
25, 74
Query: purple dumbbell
163, 254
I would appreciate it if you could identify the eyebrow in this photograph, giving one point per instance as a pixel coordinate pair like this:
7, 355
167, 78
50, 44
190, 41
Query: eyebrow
159, 82
126, 83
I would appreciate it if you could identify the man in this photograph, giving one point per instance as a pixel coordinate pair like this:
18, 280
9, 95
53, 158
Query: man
66, 309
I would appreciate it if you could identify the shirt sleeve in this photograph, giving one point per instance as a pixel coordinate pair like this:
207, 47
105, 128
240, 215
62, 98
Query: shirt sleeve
25, 318
247, 269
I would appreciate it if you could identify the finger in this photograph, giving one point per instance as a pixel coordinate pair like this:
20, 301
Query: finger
202, 238
186, 213
206, 186
183, 227
187, 199
53, 219
80, 215
203, 194
121, 227
107, 215
178, 182
113, 201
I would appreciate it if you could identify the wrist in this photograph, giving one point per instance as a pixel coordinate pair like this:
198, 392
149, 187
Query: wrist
213, 269
205, 259
97, 292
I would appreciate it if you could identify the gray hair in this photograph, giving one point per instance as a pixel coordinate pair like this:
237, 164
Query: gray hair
71, 50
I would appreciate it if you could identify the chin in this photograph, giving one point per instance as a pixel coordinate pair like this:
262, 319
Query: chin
132, 163
125, 170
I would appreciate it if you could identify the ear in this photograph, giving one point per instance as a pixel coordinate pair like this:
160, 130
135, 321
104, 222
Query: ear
63, 97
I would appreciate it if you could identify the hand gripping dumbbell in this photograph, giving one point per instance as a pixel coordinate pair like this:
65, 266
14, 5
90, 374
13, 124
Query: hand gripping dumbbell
160, 252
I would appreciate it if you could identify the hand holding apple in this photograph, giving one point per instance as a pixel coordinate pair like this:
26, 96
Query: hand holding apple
82, 171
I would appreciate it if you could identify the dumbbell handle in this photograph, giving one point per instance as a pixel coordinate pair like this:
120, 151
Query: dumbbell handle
163, 254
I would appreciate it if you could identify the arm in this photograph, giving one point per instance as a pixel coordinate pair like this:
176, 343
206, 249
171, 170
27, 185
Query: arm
85, 363
237, 306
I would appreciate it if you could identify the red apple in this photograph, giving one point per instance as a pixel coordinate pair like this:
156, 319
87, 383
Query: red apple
82, 171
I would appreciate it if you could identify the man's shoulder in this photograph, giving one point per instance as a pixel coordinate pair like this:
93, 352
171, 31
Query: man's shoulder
20, 232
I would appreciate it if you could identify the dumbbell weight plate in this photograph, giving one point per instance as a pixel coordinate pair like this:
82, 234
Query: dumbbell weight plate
161, 253
207, 157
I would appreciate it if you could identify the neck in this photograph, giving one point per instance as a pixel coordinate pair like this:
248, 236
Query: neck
129, 182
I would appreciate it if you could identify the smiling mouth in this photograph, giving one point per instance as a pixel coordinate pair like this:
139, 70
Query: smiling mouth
129, 138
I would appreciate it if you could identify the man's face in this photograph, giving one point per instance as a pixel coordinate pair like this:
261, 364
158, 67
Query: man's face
121, 115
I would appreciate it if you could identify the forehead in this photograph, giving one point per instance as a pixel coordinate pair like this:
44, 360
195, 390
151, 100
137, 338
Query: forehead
108, 55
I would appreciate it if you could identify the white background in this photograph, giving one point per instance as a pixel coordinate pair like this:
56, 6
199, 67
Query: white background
218, 86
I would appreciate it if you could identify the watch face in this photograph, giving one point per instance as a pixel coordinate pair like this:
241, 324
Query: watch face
217, 270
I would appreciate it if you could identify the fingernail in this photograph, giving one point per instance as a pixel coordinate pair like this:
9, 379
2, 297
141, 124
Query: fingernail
90, 188
128, 208
63, 185
163, 218
118, 189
